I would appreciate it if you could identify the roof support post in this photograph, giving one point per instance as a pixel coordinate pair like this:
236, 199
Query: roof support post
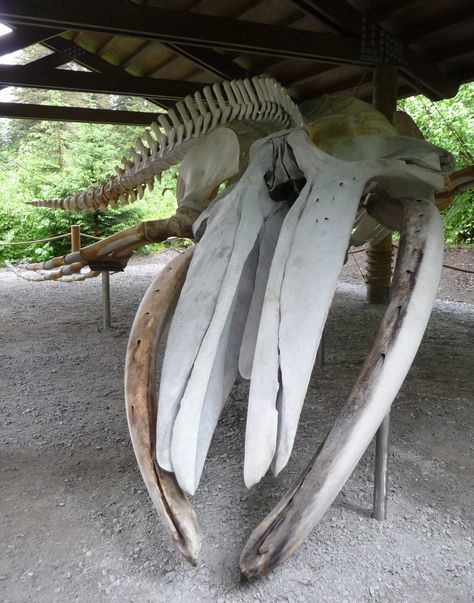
379, 274
379, 256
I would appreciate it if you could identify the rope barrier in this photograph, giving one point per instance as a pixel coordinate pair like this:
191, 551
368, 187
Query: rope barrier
87, 236
63, 236
396, 247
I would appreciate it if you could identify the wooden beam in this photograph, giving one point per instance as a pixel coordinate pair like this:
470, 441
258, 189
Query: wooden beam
338, 15
51, 61
211, 61
53, 113
393, 8
450, 18
183, 27
205, 58
61, 79
343, 17
92, 61
26, 36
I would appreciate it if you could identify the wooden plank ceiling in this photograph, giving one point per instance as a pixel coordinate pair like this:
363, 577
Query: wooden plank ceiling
164, 49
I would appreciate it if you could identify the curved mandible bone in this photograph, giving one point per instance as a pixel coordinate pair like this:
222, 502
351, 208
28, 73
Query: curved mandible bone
173, 507
413, 292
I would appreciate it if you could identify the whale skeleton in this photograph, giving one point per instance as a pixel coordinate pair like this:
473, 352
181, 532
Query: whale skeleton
252, 296
255, 299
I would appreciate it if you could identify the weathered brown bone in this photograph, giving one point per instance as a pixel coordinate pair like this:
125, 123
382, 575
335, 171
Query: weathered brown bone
295, 516
118, 246
169, 500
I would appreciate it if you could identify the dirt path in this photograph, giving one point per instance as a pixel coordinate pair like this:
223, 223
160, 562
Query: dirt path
76, 523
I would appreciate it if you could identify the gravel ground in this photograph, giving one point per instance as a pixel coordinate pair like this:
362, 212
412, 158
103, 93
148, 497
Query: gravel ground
76, 523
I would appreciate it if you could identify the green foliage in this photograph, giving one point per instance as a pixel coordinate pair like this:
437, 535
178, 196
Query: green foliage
48, 160
53, 159
458, 220
450, 124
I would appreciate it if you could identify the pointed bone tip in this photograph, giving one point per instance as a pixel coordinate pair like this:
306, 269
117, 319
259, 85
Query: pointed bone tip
191, 551
280, 462
252, 565
187, 482
251, 476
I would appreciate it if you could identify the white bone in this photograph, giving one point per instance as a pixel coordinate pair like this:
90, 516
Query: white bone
160, 137
240, 100
232, 101
152, 143
142, 149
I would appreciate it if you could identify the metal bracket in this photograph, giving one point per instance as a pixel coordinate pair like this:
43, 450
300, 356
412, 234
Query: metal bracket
377, 46
108, 264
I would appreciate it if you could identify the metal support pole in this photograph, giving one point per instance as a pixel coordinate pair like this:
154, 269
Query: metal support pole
75, 237
379, 257
382, 449
106, 299
379, 272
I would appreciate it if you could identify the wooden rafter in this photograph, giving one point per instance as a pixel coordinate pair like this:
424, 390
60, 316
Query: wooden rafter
21, 38
205, 58
184, 28
54, 113
345, 18
92, 61
54, 79
210, 60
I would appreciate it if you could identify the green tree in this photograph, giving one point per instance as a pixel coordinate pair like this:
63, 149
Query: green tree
450, 124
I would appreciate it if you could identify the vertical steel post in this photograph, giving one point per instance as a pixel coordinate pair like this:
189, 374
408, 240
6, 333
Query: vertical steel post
382, 450
75, 237
379, 273
106, 299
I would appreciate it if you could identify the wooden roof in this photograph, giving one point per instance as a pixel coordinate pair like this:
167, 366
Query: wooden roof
311, 46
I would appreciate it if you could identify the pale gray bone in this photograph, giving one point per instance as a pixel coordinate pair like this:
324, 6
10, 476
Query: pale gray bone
208, 294
286, 344
413, 292
182, 345
270, 236
191, 460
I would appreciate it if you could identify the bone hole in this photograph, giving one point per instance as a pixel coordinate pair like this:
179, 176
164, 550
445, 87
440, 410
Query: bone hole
326, 218
341, 183
418, 230
409, 271
157, 290
138, 342
147, 313
420, 215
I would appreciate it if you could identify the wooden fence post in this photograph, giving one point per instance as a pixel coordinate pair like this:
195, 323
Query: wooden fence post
75, 237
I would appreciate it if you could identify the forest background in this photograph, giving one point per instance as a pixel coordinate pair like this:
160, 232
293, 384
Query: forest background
43, 159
